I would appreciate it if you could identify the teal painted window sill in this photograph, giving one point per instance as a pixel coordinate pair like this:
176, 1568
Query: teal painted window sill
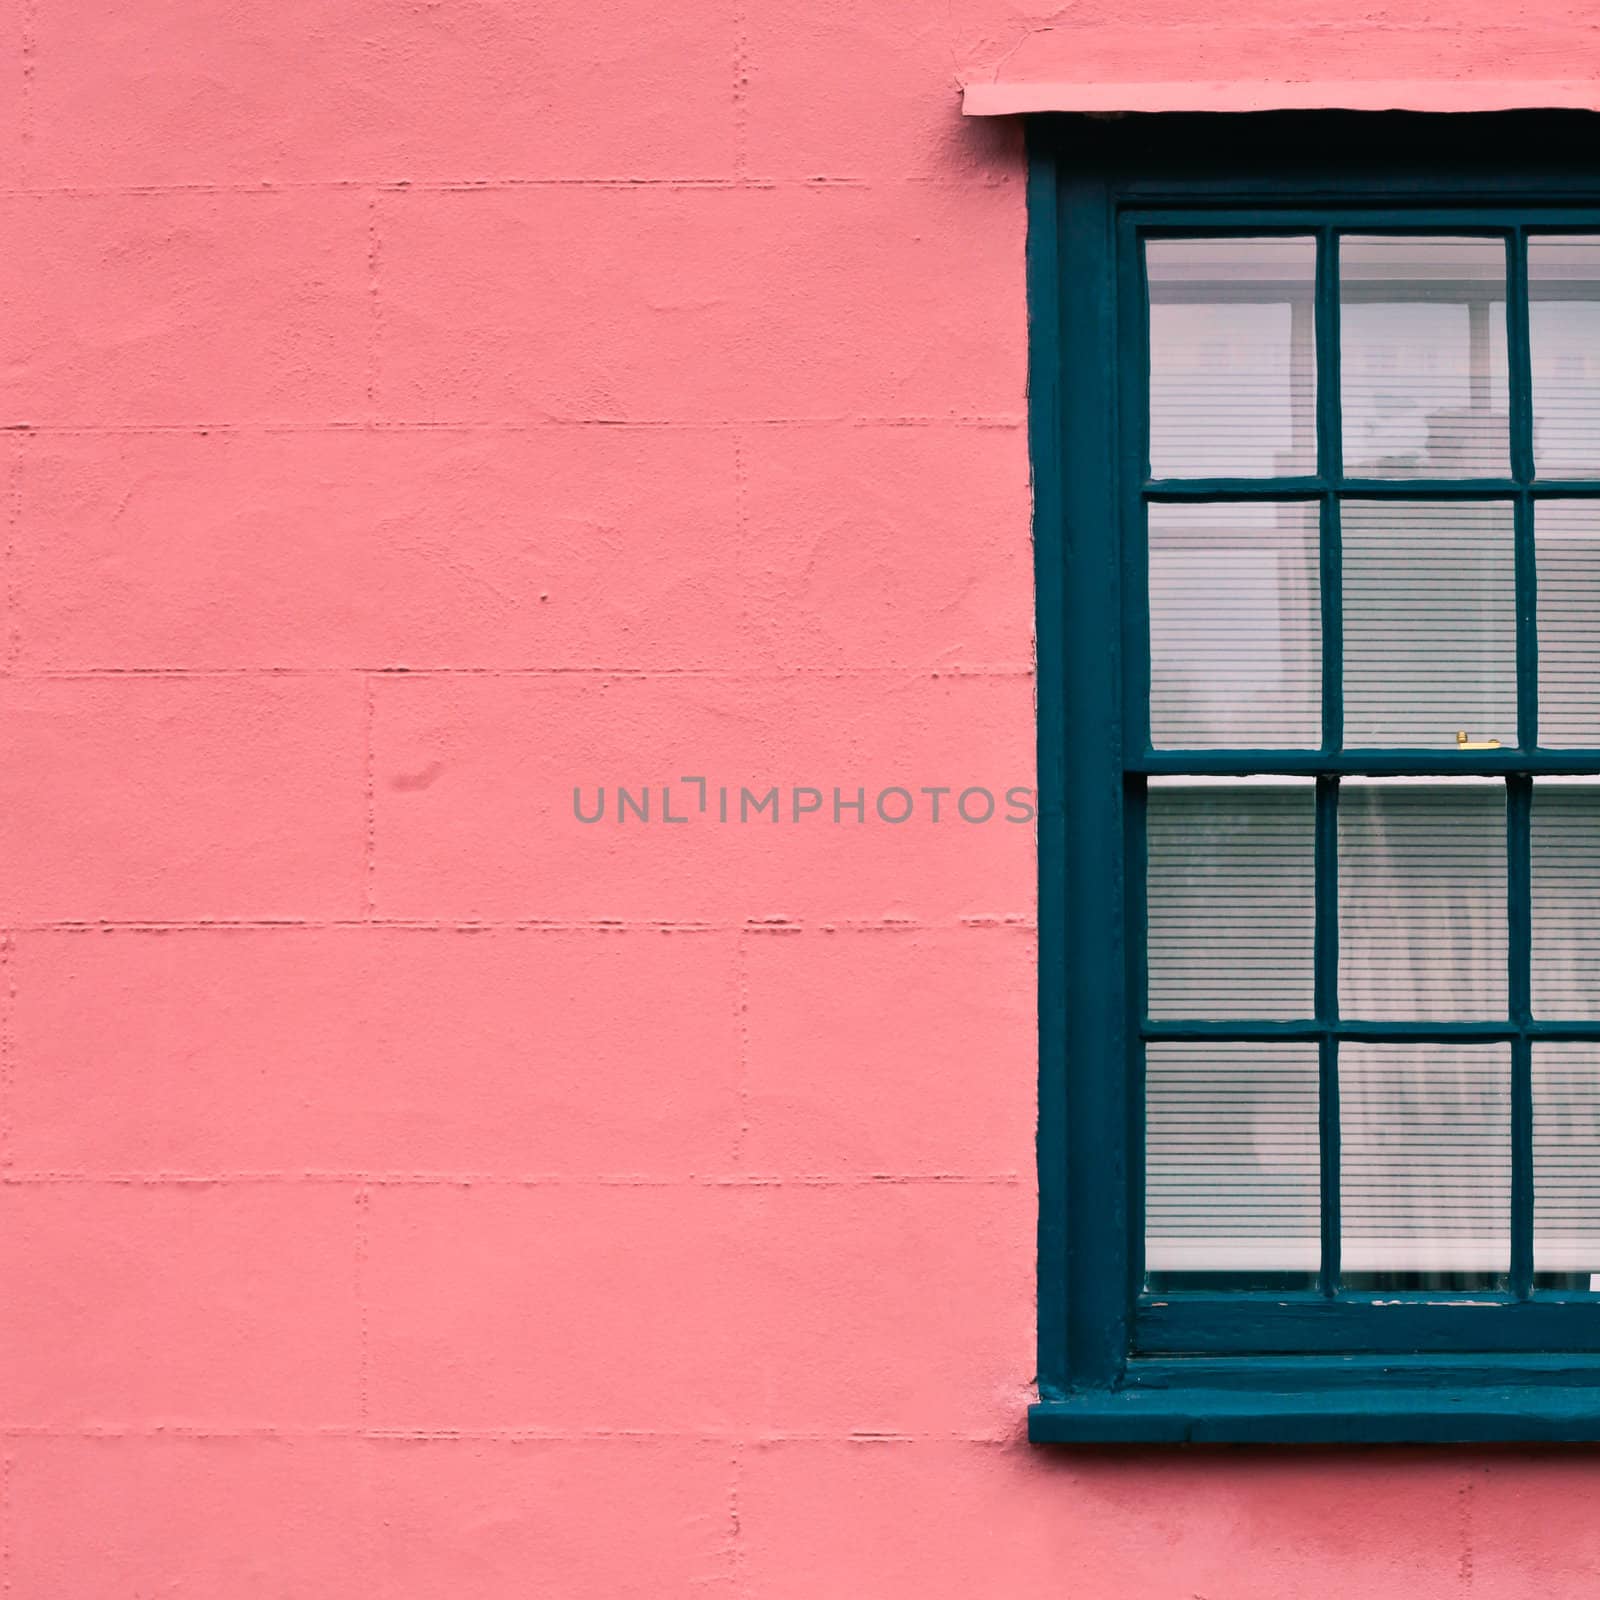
1350, 1400
1514, 1414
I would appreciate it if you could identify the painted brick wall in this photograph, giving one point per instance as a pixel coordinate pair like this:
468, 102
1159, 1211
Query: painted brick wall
414, 410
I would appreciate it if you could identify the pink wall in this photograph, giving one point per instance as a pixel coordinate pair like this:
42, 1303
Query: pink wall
417, 409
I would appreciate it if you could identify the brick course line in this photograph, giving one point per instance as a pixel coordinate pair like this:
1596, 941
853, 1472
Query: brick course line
446, 1180
777, 925
335, 425
530, 1435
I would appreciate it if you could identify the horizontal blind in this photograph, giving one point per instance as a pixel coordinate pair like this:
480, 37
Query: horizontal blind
1232, 357
1235, 627
1419, 867
1231, 1158
1566, 1156
1564, 850
1425, 1157
1422, 900
1430, 623
1567, 541
1231, 899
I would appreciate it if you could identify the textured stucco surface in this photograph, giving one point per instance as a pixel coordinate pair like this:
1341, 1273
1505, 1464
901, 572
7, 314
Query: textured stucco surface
414, 410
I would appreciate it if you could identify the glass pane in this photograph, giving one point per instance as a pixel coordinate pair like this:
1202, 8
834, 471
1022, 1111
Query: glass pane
1423, 357
1231, 897
1567, 537
1235, 627
1231, 1159
1566, 1158
1564, 333
1565, 849
1233, 357
1425, 1159
1430, 623
1422, 900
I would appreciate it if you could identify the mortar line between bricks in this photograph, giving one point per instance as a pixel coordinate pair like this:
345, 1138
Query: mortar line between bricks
374, 306
741, 528
499, 185
999, 670
369, 759
555, 1436
12, 652
741, 1000
498, 1180
735, 183
741, 97
28, 47
7, 1504
361, 1287
335, 425
371, 1525
773, 925
736, 1551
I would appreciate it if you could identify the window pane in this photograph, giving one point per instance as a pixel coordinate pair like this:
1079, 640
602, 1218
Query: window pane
1235, 627
1231, 897
1566, 1157
1231, 1158
1425, 1158
1567, 536
1430, 623
1565, 850
1233, 357
1423, 357
1422, 900
1564, 332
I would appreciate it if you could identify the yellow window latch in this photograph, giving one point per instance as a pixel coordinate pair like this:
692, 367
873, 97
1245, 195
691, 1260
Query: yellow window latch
1464, 743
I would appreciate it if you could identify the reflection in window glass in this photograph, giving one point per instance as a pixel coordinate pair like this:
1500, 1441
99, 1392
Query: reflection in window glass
1233, 384
1567, 538
1235, 626
1430, 623
1564, 336
1422, 899
1425, 1161
1423, 357
1231, 1159
1230, 897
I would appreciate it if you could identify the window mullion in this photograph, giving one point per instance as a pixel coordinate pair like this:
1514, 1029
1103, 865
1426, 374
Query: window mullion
1326, 868
1522, 469
1330, 454
1136, 962
1519, 901
1326, 1001
1519, 359
1519, 789
1329, 466
1331, 562
1525, 559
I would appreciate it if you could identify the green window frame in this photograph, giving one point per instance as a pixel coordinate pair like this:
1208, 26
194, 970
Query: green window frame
1116, 1363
